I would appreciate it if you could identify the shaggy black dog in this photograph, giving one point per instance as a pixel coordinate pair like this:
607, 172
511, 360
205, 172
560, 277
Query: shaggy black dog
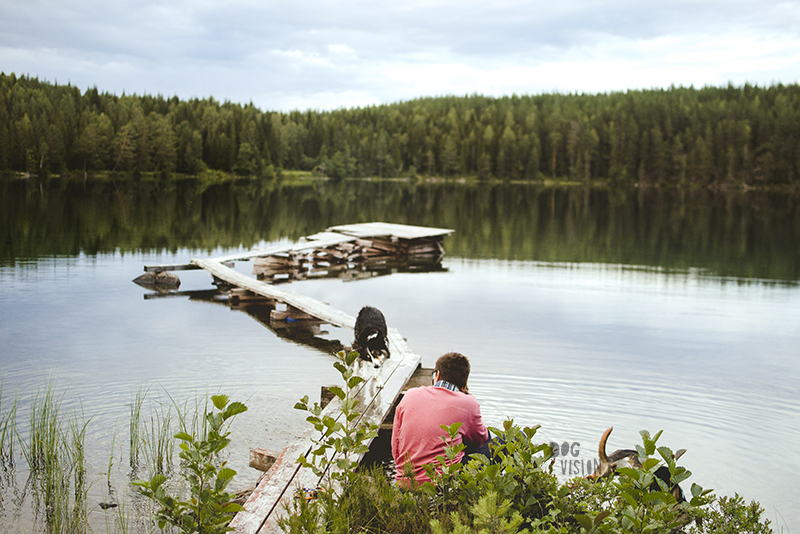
370, 333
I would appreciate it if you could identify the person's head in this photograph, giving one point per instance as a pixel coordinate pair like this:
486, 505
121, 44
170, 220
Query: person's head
453, 367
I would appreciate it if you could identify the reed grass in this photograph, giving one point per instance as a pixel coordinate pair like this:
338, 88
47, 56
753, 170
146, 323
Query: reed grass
134, 436
54, 449
157, 442
118, 520
153, 424
8, 426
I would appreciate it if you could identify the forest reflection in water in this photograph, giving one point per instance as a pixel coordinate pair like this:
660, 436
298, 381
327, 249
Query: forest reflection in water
741, 234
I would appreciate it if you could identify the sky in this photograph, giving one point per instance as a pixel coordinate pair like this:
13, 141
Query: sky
323, 55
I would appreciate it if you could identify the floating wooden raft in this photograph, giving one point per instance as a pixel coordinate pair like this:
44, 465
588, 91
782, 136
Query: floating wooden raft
338, 243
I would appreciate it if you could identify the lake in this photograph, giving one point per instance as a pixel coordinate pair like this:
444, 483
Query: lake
580, 309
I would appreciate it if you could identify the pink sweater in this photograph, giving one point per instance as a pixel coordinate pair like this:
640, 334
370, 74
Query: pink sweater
417, 436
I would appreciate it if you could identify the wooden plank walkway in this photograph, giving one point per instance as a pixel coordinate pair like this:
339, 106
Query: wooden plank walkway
382, 229
277, 488
376, 395
308, 305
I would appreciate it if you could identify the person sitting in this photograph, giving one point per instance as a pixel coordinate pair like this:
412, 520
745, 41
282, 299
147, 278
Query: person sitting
416, 431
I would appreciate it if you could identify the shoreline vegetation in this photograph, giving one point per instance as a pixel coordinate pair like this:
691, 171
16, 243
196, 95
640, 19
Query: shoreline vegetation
518, 494
730, 137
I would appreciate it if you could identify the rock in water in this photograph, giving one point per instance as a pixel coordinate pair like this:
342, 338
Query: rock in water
160, 280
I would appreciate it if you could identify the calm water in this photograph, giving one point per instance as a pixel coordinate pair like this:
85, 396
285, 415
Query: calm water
579, 310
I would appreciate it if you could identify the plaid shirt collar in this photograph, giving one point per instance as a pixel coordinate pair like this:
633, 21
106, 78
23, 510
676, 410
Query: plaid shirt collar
447, 385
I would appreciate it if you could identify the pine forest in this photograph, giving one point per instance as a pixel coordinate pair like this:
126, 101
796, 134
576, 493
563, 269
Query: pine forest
709, 137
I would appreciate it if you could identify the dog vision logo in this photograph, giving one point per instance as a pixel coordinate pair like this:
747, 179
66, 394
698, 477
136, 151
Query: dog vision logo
567, 462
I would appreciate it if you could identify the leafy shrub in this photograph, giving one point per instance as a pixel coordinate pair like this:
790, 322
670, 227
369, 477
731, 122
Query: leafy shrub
515, 492
209, 509
341, 443
370, 503
730, 515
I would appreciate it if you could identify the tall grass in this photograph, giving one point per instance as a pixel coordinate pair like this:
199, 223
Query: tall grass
154, 421
50, 451
157, 443
134, 435
8, 425
54, 449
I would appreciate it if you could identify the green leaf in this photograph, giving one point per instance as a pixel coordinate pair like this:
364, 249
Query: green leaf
585, 521
354, 381
351, 357
530, 431
336, 390
219, 401
629, 472
630, 498
650, 463
651, 496
157, 481
680, 477
232, 508
235, 408
184, 436
602, 515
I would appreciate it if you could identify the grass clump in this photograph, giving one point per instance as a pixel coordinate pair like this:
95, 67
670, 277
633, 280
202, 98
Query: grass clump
54, 449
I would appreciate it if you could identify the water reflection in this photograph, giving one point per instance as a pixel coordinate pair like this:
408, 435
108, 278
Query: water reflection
739, 234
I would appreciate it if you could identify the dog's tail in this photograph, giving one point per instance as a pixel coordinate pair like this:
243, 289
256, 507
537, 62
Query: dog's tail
603, 468
601, 449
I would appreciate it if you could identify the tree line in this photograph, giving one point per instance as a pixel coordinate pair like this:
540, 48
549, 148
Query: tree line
713, 136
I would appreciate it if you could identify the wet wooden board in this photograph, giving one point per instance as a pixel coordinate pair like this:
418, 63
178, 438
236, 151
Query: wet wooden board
382, 229
318, 240
306, 304
277, 488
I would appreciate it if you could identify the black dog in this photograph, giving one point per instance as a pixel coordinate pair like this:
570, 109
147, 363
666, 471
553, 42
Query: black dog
370, 333
630, 458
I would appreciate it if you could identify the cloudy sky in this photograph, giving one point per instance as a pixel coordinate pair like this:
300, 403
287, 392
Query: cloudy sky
323, 54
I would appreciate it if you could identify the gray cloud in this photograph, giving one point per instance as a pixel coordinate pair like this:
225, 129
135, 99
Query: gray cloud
325, 54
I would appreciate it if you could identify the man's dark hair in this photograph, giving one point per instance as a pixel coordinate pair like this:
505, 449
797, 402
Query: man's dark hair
453, 367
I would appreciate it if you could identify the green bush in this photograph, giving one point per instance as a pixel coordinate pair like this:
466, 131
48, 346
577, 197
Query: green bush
730, 515
516, 492
209, 508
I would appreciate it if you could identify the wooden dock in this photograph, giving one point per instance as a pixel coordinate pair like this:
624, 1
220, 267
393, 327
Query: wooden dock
376, 238
381, 389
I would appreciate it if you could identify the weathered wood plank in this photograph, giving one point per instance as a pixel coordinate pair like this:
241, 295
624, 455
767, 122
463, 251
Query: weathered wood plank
306, 304
382, 229
321, 239
376, 398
